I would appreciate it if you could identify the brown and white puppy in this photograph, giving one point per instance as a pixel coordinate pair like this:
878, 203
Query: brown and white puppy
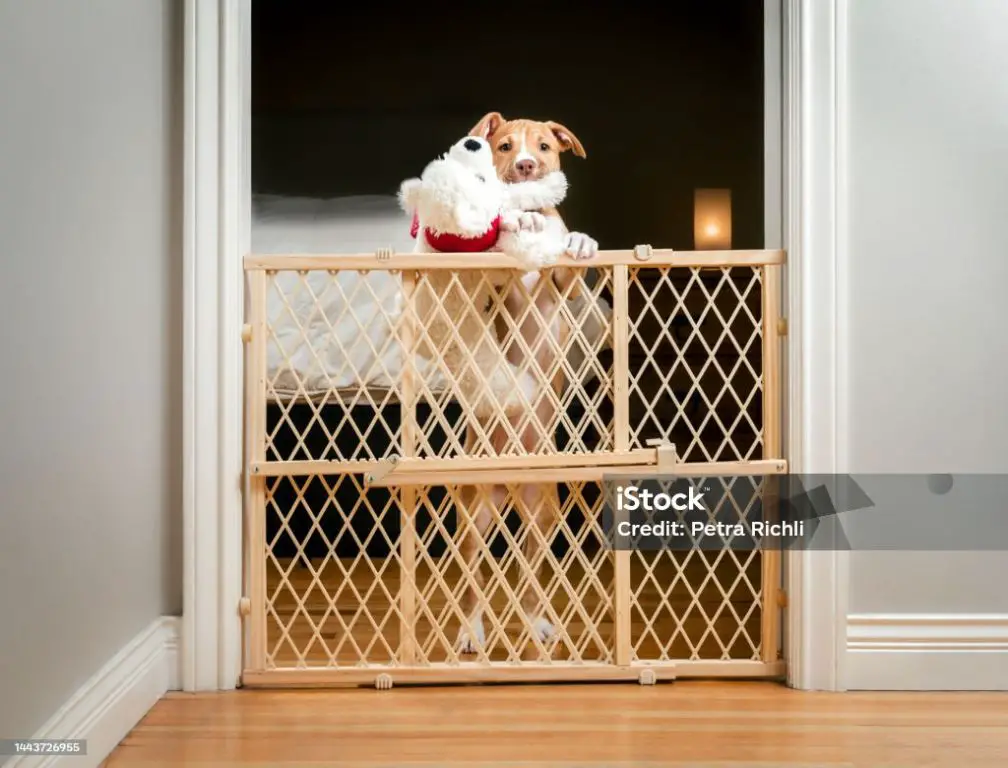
525, 150
529, 149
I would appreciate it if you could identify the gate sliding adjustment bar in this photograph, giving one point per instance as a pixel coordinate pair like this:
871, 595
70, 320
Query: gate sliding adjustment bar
659, 457
396, 471
502, 470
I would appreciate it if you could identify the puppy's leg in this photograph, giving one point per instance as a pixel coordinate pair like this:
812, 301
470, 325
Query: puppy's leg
472, 633
542, 502
574, 244
539, 505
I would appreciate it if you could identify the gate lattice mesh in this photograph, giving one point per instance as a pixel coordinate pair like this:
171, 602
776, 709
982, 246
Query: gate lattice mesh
488, 559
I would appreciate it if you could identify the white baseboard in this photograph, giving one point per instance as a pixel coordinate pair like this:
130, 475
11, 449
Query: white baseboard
927, 652
115, 699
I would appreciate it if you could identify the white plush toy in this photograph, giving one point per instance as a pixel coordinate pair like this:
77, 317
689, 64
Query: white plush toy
460, 206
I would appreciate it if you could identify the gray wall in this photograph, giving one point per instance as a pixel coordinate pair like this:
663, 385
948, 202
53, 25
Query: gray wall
90, 238
927, 260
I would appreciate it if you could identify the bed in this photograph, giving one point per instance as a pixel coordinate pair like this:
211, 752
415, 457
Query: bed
334, 334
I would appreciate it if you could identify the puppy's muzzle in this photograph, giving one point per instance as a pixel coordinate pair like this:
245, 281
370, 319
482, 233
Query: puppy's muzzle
525, 168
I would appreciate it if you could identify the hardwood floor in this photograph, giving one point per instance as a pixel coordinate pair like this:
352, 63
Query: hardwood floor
684, 724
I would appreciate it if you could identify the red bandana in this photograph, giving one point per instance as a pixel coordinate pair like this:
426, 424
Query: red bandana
456, 243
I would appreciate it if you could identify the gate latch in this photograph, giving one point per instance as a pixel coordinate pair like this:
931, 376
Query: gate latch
667, 458
642, 252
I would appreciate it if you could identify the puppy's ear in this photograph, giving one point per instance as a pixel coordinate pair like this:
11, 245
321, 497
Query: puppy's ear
487, 125
409, 193
567, 139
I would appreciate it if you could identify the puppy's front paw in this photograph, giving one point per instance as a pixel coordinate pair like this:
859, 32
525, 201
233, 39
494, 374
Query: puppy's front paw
471, 637
531, 222
543, 629
579, 246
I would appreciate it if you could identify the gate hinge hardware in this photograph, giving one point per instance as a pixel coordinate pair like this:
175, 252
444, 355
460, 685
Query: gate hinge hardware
782, 326
246, 333
385, 467
642, 252
244, 606
665, 452
782, 598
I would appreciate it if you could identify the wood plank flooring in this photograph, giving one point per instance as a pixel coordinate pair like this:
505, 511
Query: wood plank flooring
683, 724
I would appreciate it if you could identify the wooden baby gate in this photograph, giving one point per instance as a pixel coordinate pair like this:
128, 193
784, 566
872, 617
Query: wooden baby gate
388, 494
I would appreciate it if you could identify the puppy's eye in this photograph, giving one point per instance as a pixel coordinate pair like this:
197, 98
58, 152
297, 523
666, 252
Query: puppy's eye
544, 147
505, 147
481, 177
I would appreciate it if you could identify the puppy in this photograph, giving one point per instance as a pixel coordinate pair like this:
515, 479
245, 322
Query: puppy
526, 150
459, 204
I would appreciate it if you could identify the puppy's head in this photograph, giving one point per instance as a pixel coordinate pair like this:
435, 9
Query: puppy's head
525, 150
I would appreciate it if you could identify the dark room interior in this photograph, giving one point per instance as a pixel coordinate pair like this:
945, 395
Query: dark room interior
665, 98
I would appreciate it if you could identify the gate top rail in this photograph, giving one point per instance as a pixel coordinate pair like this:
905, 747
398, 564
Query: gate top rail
642, 256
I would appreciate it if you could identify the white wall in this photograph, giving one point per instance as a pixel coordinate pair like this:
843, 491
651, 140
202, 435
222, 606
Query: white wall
926, 377
90, 523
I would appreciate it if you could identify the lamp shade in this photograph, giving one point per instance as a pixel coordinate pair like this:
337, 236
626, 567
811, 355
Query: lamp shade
712, 220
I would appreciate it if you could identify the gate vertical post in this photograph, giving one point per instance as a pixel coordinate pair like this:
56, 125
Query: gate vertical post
408, 493
772, 417
255, 374
621, 439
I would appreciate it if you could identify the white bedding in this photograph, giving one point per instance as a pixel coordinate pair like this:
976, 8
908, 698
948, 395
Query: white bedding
332, 352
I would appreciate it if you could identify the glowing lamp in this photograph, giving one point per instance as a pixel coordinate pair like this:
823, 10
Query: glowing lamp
712, 220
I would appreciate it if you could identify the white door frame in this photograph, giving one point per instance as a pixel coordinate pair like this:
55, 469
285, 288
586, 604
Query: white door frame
814, 56
217, 215
217, 228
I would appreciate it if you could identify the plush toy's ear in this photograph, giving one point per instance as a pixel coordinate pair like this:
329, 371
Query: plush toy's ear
409, 193
487, 125
567, 139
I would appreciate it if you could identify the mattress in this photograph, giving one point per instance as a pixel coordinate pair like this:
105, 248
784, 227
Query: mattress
332, 333
335, 333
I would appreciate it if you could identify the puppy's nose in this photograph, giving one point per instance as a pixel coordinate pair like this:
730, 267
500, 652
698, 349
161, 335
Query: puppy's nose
472, 145
525, 167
